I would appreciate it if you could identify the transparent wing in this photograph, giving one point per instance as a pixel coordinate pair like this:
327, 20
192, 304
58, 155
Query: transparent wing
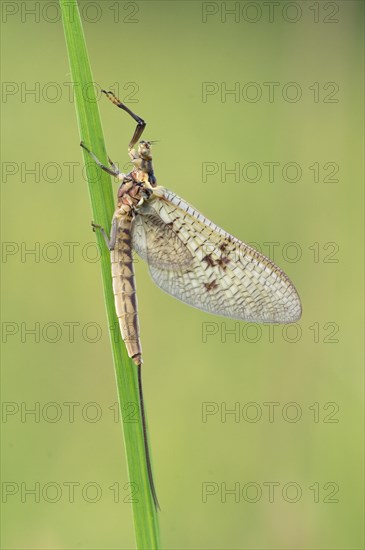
197, 262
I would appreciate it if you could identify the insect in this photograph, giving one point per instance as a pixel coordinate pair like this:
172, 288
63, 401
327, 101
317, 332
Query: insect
188, 256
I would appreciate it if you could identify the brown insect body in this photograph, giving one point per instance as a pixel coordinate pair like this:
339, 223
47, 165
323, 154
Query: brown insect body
135, 187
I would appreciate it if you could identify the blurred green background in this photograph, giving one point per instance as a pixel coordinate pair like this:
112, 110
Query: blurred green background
159, 57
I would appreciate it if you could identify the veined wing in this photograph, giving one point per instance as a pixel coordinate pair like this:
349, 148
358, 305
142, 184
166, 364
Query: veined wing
199, 263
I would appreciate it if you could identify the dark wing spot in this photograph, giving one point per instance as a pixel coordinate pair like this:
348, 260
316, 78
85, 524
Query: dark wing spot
210, 286
223, 261
208, 258
223, 246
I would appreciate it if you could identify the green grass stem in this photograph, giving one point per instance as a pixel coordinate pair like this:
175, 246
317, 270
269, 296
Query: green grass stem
102, 206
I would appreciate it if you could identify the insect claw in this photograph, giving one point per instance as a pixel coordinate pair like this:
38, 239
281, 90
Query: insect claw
95, 226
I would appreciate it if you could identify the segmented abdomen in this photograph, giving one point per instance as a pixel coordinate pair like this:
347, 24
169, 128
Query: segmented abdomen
125, 290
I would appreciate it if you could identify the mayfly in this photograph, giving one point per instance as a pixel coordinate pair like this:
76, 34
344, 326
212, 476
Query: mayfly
188, 256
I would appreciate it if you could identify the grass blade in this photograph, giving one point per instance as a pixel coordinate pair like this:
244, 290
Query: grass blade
102, 205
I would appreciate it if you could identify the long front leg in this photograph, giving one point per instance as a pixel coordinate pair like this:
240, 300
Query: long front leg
141, 124
115, 172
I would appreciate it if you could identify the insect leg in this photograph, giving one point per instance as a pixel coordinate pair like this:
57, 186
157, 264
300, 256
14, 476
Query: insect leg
115, 172
110, 243
114, 166
141, 124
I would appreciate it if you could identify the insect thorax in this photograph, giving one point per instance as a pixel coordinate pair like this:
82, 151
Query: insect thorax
145, 168
142, 160
134, 189
138, 185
